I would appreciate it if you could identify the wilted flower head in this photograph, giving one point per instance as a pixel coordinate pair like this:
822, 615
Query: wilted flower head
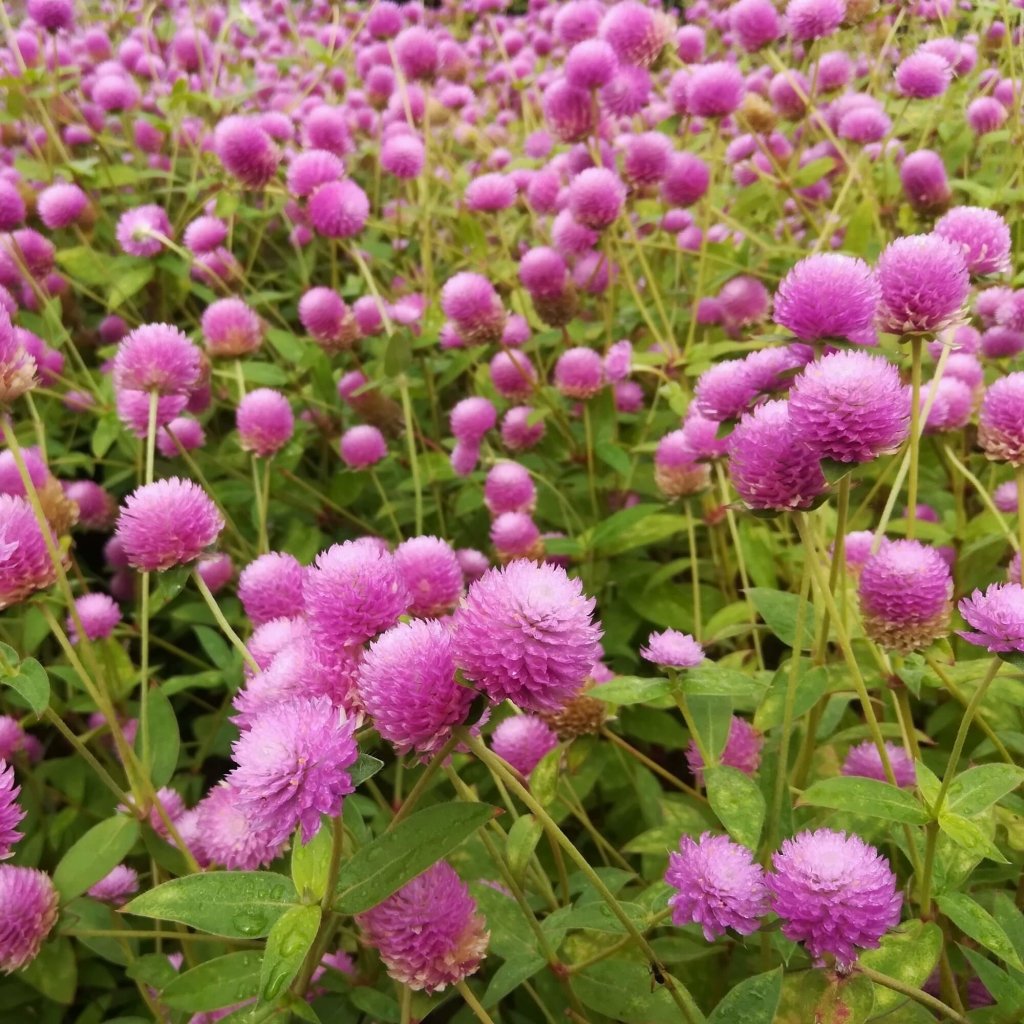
924, 284
996, 617
522, 741
827, 296
865, 761
1001, 420
983, 235
28, 910
672, 649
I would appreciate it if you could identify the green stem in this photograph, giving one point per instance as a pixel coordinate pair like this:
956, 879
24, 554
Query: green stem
588, 434
262, 545
225, 626
473, 1003
422, 783
87, 756
386, 505
916, 344
691, 540
913, 993
410, 440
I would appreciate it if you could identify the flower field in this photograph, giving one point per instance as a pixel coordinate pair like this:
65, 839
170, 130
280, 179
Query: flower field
511, 512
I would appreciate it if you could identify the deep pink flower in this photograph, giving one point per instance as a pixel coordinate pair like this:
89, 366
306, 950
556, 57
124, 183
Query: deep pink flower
11, 815
98, 614
265, 421
157, 357
827, 296
339, 209
231, 328
431, 574
1001, 420
228, 834
25, 563
28, 910
246, 150
983, 235
924, 284
522, 741
865, 761
116, 886
997, 618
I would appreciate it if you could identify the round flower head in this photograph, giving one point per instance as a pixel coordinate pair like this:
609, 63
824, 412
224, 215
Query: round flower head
98, 614
138, 230
923, 75
12, 205
577, 20
522, 740
518, 433
265, 421
525, 633
952, 404
228, 835
715, 90
834, 893
362, 446
231, 328
430, 570
996, 617
311, 169
635, 32
509, 488
116, 886
516, 535
755, 23
813, 19
1004, 497
407, 685
167, 523
429, 934
647, 158
742, 750
25, 563
339, 209
1001, 420
591, 64
246, 150
490, 193
181, 431
52, 15
579, 373
205, 234
328, 320
157, 357
905, 592
769, 465
416, 52
672, 649
543, 273
982, 234
17, 366
568, 110
985, 114
1001, 342
292, 767
471, 303
923, 177
865, 761
353, 592
827, 296
850, 407
596, 197
718, 886
11, 814
924, 284
677, 472
28, 910
724, 391
96, 508
216, 570
471, 418
61, 205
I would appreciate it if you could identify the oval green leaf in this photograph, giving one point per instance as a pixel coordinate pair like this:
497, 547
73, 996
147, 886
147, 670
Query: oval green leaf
95, 855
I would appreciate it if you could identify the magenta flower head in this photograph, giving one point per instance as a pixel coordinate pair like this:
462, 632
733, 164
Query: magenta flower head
138, 230
271, 588
850, 406
17, 366
28, 910
756, 23
226, 833
834, 893
924, 284
569, 111
61, 205
265, 421
986, 114
579, 372
522, 741
718, 886
116, 886
11, 815
516, 535
407, 685
769, 465
490, 193
328, 320
923, 176
814, 19
417, 53
923, 75
647, 158
905, 592
429, 934
471, 418
865, 761
521, 428
725, 391
339, 209
1001, 420
353, 592
828, 296
167, 523
403, 155
311, 169
677, 471
544, 274
430, 570
25, 563
231, 328
52, 15
526, 633
99, 615
591, 64
182, 430
509, 488
216, 570
247, 152
205, 234
983, 235
157, 357
596, 197
672, 649
742, 750
715, 90
362, 446
996, 617
471, 303
635, 32
952, 404
292, 766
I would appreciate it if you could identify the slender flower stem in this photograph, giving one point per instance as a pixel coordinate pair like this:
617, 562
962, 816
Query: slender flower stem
588, 433
473, 1003
916, 344
691, 540
87, 755
225, 626
913, 993
649, 764
422, 783
386, 505
262, 545
327, 921
410, 440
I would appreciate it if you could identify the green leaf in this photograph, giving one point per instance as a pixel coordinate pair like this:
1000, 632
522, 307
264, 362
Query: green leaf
544, 777
976, 789
54, 972
128, 283
32, 684
236, 904
366, 767
398, 353
978, 924
622, 990
752, 1001
398, 856
737, 801
523, 837
970, 836
866, 796
165, 741
95, 855
287, 945
509, 976
288, 346
908, 953
713, 718
215, 647
614, 456
310, 864
631, 689
811, 685
813, 171
616, 526
711, 680
220, 982
778, 609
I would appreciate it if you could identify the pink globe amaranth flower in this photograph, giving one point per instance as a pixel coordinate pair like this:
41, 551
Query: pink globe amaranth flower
725, 391
590, 64
743, 300
96, 508
596, 198
637, 33
834, 893
718, 886
182, 430
25, 563
12, 206
11, 815
114, 92
138, 228
473, 563
17, 366
756, 23
431, 574
490, 193
1010, 311
906, 593
231, 328
403, 155
579, 373
339, 209
715, 90
471, 303
116, 886
167, 523
569, 111
996, 617
362, 446
672, 649
521, 428
677, 472
544, 273
284, 678
311, 169
247, 152
923, 177
525, 633
647, 158
227, 833
1001, 420
983, 235
522, 740
509, 488
923, 75
157, 357
986, 114
429, 934
471, 418
61, 205
406, 683
52, 15
1001, 342
952, 404
769, 465
353, 592
328, 319
827, 296
98, 614
742, 750
924, 284
814, 19
850, 407
384, 20
578, 20
416, 53
464, 457
265, 421
864, 760
28, 910
292, 767
987, 304
205, 234
216, 570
